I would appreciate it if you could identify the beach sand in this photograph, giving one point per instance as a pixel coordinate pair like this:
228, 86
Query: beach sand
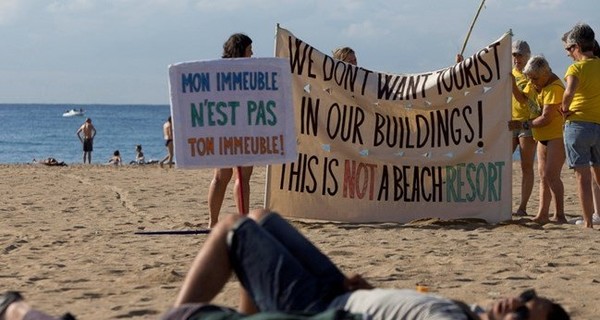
68, 243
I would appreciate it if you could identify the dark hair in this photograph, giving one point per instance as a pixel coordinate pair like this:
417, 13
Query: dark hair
557, 313
596, 49
235, 46
116, 153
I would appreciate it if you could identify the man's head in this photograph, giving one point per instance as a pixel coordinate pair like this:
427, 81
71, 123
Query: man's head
520, 53
527, 306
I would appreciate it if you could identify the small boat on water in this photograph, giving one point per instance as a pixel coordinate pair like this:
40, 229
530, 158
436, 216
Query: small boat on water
73, 113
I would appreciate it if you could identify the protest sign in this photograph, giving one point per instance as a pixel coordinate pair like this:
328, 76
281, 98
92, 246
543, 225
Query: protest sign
232, 112
375, 146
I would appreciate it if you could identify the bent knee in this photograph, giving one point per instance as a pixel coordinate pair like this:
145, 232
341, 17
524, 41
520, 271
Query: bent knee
259, 214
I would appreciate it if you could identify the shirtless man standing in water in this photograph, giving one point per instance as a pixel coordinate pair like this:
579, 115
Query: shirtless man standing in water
86, 134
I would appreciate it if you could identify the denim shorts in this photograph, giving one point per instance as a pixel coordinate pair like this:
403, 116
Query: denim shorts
280, 269
582, 143
522, 133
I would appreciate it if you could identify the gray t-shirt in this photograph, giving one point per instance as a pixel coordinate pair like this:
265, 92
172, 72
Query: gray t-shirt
389, 304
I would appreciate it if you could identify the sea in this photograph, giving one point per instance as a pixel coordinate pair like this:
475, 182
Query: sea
39, 131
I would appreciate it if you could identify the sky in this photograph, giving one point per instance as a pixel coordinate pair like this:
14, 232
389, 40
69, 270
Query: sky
118, 51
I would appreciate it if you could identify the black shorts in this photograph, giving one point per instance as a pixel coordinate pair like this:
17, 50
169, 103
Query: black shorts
88, 145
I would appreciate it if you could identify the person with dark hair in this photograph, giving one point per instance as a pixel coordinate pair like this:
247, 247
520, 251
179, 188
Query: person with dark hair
238, 45
86, 134
116, 158
284, 274
581, 110
168, 136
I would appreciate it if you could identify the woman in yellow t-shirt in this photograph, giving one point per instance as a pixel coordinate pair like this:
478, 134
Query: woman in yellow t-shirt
581, 109
547, 90
522, 138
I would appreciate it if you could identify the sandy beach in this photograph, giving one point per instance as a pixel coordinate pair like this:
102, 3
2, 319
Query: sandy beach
68, 243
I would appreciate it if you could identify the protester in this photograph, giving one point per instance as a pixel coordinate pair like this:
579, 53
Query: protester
345, 54
581, 110
547, 90
523, 138
237, 46
86, 134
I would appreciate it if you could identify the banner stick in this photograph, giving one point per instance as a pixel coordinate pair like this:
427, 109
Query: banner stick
462, 51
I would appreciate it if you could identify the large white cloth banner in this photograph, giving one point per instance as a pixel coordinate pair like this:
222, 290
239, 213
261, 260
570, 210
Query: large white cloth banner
380, 147
232, 112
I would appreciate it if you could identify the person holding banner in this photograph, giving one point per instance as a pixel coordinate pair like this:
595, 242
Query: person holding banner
547, 89
238, 45
523, 138
581, 110
345, 54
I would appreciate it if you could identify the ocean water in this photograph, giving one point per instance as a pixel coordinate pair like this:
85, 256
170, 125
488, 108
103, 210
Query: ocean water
39, 131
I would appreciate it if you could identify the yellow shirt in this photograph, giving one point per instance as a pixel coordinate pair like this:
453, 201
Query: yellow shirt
520, 111
551, 94
586, 101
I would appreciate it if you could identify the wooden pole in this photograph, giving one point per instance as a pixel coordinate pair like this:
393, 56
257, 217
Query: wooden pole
462, 51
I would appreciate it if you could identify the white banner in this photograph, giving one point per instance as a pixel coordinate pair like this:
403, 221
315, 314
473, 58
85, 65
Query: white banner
381, 147
232, 112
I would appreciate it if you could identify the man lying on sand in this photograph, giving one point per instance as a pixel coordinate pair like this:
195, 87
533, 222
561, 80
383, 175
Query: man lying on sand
283, 272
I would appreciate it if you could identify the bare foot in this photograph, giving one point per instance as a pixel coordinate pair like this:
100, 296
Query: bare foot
559, 219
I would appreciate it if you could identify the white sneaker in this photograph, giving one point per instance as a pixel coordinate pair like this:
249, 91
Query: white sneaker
595, 219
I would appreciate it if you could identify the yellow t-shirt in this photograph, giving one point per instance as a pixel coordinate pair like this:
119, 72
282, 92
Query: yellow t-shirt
586, 101
520, 111
550, 94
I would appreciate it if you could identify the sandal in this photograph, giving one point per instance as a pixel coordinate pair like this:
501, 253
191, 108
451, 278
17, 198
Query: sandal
7, 299
520, 213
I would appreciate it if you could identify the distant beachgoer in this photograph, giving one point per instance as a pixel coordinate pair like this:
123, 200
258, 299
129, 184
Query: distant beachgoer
50, 162
168, 135
116, 158
238, 45
345, 54
86, 134
139, 155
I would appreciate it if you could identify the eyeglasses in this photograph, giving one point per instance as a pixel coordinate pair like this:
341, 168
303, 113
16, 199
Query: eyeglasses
522, 312
569, 48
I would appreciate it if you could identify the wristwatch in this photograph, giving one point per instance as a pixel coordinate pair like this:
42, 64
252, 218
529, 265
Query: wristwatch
526, 125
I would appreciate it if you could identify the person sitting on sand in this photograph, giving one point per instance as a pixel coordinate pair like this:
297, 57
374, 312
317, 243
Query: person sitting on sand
281, 271
116, 158
139, 155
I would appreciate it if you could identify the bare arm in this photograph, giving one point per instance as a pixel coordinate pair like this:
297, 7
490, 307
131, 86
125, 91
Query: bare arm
549, 112
517, 93
570, 89
78, 133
